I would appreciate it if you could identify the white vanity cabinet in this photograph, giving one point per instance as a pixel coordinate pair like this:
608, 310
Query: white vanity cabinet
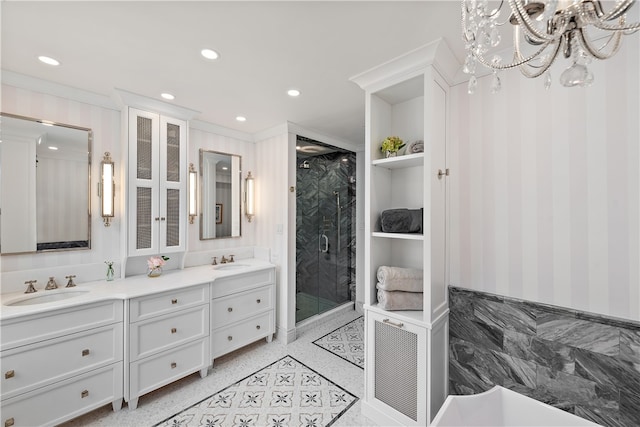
61, 364
168, 338
242, 310
157, 183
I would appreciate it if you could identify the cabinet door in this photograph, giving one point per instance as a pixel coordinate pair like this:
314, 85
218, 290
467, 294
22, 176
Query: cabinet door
172, 186
144, 214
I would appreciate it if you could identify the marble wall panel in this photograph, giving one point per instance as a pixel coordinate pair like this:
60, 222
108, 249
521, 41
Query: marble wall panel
580, 362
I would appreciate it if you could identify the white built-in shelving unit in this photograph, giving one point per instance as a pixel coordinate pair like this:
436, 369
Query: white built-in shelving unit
406, 351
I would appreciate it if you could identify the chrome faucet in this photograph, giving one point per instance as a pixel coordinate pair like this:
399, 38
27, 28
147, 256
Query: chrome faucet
70, 283
215, 261
51, 284
231, 258
30, 289
223, 260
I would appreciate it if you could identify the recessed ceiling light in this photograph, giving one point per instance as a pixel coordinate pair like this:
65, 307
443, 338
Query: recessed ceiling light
167, 96
51, 147
48, 60
293, 92
209, 54
241, 119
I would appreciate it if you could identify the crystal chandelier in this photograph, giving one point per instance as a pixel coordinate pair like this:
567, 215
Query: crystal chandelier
579, 29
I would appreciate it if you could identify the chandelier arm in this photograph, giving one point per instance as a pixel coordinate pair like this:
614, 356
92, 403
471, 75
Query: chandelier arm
538, 72
619, 10
630, 27
523, 19
596, 52
518, 63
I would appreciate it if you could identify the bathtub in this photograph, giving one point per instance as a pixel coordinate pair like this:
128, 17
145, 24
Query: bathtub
502, 407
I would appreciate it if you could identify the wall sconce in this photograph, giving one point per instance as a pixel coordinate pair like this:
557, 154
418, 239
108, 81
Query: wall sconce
249, 197
193, 186
107, 188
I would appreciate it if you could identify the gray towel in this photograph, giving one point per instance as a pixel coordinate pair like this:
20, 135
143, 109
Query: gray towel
397, 300
399, 279
401, 221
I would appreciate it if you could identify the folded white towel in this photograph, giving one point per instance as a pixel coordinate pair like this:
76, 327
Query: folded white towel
400, 300
416, 146
400, 279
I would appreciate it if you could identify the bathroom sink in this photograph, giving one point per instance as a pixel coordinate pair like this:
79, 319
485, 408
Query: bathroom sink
41, 298
230, 266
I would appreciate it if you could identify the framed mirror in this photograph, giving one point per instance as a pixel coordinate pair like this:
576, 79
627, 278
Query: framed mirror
220, 195
44, 186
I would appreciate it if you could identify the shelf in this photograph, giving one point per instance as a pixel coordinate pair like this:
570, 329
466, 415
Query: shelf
404, 236
406, 161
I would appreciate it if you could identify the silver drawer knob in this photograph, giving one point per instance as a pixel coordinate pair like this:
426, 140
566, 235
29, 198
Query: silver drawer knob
85, 352
84, 393
9, 422
174, 301
9, 374
257, 326
229, 337
230, 309
173, 365
258, 300
174, 330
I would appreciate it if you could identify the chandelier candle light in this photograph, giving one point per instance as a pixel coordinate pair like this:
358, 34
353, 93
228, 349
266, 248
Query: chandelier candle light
579, 29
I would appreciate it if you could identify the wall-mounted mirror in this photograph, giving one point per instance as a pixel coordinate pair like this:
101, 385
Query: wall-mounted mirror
44, 183
220, 195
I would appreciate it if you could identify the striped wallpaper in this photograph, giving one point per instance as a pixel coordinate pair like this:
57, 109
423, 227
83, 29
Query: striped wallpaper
545, 190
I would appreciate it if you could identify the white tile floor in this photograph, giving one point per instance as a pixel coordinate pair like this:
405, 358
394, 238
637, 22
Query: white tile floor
160, 404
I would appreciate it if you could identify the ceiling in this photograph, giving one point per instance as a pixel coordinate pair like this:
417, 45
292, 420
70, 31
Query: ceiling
265, 48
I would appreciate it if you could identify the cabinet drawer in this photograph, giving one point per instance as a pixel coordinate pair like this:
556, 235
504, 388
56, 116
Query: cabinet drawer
26, 368
167, 302
155, 371
233, 337
227, 310
161, 333
241, 282
30, 329
62, 401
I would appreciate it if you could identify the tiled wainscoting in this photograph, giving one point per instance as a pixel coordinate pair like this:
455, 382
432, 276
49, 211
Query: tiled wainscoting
583, 363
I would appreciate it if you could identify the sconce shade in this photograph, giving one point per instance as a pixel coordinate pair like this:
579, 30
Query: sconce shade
249, 197
107, 187
193, 185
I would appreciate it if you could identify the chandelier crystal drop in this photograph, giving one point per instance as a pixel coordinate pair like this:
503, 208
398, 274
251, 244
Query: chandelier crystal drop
579, 30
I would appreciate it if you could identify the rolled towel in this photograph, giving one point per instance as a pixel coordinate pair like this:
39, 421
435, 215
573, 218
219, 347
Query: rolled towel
416, 146
400, 279
401, 220
398, 300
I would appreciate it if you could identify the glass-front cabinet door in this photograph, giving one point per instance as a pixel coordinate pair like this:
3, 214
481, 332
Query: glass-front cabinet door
157, 183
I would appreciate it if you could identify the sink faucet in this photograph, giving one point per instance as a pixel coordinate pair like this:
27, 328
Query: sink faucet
30, 289
215, 261
51, 284
70, 284
223, 260
231, 258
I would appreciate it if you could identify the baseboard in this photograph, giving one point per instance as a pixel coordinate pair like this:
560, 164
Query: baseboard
285, 336
315, 320
377, 416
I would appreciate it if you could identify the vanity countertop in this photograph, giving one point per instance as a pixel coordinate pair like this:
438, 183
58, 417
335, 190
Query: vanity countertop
130, 287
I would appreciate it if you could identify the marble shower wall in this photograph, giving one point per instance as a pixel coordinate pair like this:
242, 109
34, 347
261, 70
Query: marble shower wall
582, 363
329, 274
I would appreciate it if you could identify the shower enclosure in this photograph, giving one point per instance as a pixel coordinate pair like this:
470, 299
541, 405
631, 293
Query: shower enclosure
325, 227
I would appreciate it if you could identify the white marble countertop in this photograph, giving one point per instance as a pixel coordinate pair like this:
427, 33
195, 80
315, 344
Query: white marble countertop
130, 287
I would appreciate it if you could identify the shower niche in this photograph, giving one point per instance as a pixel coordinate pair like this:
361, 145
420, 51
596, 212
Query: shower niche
325, 227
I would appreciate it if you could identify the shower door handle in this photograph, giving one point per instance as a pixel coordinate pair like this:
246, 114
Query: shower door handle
326, 243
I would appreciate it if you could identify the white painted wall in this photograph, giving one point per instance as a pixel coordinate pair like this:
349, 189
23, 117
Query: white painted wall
546, 189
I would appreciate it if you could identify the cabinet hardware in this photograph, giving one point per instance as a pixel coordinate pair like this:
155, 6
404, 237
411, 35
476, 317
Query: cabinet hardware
9, 422
229, 338
85, 352
258, 300
173, 365
257, 326
174, 330
230, 309
157, 218
163, 218
84, 393
389, 322
174, 301
441, 173
9, 374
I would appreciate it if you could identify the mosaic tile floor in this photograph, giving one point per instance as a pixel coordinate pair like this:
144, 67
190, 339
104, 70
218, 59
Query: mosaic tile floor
346, 342
287, 392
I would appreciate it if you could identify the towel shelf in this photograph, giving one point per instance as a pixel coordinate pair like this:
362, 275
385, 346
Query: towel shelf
405, 236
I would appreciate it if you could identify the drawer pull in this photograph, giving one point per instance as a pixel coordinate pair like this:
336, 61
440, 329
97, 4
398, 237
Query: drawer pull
9, 374
173, 365
174, 330
257, 326
84, 393
85, 352
229, 337
389, 322
230, 309
258, 300
174, 301
9, 422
